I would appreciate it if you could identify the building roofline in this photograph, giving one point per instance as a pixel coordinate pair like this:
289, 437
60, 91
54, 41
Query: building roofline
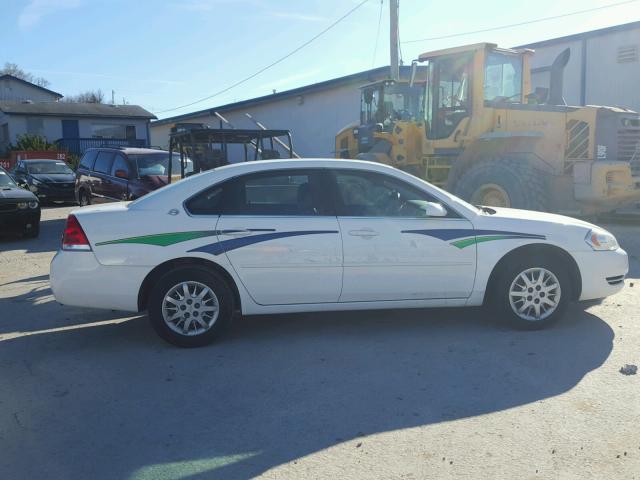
315, 87
31, 84
81, 115
582, 35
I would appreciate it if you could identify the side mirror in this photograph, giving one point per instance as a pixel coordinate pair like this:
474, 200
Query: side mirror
122, 174
434, 209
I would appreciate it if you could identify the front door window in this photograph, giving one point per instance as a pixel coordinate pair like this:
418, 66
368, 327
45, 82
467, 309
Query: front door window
449, 100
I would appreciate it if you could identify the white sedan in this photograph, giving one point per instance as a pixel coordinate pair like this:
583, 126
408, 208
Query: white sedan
319, 235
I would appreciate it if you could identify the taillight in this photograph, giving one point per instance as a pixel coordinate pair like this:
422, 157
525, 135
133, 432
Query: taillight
74, 237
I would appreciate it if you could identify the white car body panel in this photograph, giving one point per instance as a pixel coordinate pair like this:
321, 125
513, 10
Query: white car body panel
384, 261
306, 268
327, 271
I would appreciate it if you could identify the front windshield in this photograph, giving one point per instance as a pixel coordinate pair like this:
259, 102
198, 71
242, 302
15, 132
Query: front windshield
403, 102
158, 164
5, 180
48, 167
503, 77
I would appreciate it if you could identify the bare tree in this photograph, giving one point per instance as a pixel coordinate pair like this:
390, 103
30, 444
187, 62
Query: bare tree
16, 71
89, 96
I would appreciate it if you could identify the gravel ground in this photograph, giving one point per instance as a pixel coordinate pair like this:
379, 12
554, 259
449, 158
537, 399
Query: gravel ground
403, 395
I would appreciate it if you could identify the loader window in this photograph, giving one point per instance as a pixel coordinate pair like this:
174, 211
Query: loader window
449, 89
502, 78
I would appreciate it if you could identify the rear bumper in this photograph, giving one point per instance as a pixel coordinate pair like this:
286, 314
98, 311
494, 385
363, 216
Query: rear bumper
602, 272
79, 280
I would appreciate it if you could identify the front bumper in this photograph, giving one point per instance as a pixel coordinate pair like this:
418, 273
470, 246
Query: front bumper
78, 279
602, 272
20, 220
53, 192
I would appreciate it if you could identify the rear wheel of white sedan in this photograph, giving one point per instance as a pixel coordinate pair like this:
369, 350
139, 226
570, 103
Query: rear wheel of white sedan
532, 294
190, 306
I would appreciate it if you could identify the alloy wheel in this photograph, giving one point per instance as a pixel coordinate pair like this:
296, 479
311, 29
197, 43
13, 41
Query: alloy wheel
535, 294
190, 308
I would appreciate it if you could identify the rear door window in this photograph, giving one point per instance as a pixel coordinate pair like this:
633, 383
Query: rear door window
277, 193
104, 161
88, 159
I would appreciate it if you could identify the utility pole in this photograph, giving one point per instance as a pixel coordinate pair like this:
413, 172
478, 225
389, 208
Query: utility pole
393, 39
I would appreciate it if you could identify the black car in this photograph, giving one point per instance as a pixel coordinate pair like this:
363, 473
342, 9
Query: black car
49, 180
19, 208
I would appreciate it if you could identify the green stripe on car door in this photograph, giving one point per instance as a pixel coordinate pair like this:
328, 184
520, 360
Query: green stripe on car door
163, 239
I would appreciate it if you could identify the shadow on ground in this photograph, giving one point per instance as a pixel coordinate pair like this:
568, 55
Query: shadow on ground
48, 241
115, 402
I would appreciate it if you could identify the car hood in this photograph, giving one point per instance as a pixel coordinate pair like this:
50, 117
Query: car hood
16, 193
54, 177
534, 216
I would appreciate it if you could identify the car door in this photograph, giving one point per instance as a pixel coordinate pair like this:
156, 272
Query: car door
281, 236
120, 174
392, 249
101, 180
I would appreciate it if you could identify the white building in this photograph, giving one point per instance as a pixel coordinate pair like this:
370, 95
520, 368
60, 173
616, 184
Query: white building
604, 68
313, 113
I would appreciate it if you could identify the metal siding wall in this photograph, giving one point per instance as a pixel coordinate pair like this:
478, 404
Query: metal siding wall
609, 82
545, 56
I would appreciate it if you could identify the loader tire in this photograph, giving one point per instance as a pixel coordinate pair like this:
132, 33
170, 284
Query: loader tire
510, 183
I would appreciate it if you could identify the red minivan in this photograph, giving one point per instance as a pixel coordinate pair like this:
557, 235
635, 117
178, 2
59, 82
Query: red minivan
110, 174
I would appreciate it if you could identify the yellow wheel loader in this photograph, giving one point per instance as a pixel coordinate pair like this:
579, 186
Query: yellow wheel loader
470, 122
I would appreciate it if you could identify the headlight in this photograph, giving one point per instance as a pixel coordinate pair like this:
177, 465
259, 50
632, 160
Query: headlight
22, 205
33, 204
601, 240
35, 182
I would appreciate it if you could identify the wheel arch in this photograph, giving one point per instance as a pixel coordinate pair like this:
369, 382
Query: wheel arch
154, 275
543, 249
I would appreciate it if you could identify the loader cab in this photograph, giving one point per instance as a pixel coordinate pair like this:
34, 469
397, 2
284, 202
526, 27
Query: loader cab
385, 103
464, 81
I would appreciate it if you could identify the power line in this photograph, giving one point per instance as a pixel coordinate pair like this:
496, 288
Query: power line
375, 49
246, 79
537, 20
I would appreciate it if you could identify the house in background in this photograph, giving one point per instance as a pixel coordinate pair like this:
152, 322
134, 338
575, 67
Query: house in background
14, 89
26, 108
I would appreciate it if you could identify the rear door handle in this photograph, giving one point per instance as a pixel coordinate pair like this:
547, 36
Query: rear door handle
364, 233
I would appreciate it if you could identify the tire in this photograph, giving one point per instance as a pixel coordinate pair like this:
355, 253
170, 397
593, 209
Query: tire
506, 297
524, 186
33, 232
171, 284
85, 198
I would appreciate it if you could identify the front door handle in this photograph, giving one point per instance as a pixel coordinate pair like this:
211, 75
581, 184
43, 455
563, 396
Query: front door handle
364, 233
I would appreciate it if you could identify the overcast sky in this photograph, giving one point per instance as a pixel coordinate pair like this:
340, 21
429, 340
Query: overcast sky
165, 53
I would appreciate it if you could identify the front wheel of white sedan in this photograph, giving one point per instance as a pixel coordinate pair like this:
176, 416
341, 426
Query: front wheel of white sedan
190, 306
532, 294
